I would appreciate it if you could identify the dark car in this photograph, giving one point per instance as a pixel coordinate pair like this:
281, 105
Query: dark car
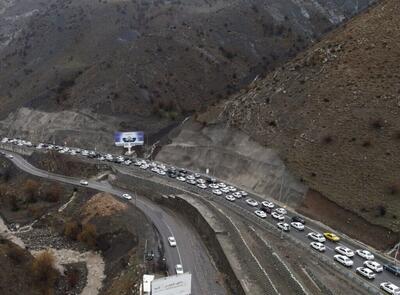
210, 180
298, 219
394, 269
172, 175
266, 209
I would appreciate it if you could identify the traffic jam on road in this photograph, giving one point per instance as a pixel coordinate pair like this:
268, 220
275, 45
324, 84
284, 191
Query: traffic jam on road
326, 242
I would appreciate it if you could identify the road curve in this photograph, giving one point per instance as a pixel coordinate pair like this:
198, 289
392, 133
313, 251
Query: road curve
190, 252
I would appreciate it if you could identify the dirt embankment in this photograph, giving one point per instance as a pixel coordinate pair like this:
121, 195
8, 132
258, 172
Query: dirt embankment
65, 164
321, 208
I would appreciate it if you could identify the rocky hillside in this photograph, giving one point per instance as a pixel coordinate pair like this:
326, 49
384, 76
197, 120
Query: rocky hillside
142, 64
16, 264
333, 115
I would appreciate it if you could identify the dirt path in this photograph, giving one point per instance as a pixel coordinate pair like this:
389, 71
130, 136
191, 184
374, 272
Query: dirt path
6, 233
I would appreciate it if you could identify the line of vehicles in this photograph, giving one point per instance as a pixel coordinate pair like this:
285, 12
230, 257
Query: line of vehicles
232, 194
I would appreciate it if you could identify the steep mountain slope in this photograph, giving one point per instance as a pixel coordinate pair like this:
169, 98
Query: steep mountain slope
147, 63
333, 115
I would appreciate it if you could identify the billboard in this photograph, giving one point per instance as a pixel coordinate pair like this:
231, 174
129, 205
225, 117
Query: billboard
173, 285
127, 139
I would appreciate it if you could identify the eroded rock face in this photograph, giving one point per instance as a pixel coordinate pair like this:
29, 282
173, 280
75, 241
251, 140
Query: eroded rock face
148, 63
232, 155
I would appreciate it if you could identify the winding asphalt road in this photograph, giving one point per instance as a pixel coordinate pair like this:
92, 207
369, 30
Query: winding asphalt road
190, 250
247, 212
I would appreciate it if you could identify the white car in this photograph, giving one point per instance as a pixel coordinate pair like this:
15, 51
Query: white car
281, 211
230, 198
200, 180
232, 189
179, 269
154, 169
297, 225
365, 272
127, 196
10, 156
190, 181
346, 261
225, 190
221, 185
260, 213
375, 266
390, 288
172, 241
190, 177
180, 178
237, 195
252, 202
217, 192
201, 185
144, 167
267, 204
365, 254
316, 237
83, 182
243, 193
318, 246
283, 226
277, 216
213, 185
344, 251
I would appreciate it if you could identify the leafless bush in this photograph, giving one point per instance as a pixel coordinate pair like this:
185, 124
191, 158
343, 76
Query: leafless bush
53, 193
31, 189
73, 278
16, 254
88, 235
71, 230
43, 269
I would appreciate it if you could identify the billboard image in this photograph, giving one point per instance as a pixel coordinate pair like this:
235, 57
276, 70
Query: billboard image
172, 285
126, 139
